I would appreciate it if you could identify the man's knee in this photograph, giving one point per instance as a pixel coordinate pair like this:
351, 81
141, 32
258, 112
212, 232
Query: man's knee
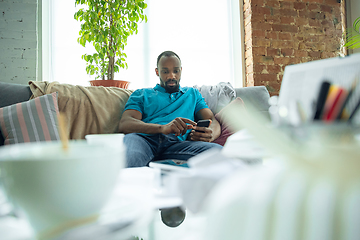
138, 152
203, 146
217, 146
131, 138
136, 159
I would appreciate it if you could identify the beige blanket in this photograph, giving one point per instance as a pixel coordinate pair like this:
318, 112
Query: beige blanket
87, 110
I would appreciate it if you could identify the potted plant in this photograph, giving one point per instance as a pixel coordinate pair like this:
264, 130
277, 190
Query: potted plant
352, 35
107, 24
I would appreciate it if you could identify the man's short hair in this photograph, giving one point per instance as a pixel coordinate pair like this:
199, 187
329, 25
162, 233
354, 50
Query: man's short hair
166, 54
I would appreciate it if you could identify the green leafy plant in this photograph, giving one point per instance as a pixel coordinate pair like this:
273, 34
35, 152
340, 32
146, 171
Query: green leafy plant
352, 35
107, 24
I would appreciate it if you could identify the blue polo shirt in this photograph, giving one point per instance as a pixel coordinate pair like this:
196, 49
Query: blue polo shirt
159, 107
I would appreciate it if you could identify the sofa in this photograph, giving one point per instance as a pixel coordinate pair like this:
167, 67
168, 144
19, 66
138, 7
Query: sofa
89, 110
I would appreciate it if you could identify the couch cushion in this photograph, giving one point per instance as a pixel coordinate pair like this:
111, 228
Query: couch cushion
257, 96
31, 121
11, 93
226, 129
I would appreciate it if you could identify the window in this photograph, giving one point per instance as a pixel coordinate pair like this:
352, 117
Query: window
204, 33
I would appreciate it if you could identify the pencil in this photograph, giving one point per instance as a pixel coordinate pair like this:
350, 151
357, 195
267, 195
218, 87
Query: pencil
353, 86
62, 131
334, 103
354, 111
324, 89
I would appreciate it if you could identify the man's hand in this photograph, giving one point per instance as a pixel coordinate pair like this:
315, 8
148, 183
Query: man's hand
178, 126
204, 135
131, 123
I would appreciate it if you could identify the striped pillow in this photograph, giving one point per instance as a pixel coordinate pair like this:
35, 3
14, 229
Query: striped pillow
31, 121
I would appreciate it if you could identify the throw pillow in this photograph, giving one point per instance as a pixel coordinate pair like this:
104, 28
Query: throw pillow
226, 129
31, 121
217, 96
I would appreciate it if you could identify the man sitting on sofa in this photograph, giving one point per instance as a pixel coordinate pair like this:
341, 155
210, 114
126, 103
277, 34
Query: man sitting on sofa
159, 122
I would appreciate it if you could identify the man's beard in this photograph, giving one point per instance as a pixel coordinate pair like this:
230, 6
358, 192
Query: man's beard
171, 89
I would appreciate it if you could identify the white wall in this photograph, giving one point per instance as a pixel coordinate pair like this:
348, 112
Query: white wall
18, 40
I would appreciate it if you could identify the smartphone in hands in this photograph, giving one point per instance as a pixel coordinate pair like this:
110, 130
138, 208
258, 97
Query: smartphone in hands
203, 123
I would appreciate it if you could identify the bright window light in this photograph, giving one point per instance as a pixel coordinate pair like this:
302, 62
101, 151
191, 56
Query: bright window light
204, 33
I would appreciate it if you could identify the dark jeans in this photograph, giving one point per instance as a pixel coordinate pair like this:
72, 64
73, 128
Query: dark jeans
142, 149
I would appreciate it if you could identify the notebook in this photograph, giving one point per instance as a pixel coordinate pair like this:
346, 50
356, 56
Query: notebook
170, 165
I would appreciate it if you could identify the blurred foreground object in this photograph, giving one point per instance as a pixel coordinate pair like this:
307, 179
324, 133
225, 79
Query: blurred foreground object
50, 186
314, 194
172, 217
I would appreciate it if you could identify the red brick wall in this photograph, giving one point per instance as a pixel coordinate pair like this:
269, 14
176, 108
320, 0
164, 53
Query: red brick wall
283, 32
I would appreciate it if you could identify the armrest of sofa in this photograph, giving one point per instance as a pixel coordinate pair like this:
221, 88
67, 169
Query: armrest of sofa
257, 96
11, 93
